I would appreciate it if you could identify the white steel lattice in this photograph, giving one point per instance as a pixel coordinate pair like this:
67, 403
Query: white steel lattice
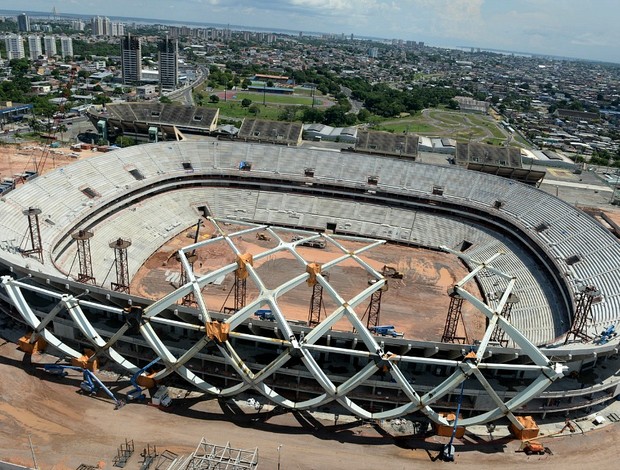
301, 346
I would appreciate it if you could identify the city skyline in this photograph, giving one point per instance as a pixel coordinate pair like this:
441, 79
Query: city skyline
547, 27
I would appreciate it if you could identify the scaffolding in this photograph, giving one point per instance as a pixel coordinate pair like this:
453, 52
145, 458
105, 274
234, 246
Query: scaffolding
373, 311
122, 267
317, 306
82, 238
210, 456
240, 291
239, 287
587, 296
34, 230
454, 317
188, 300
499, 335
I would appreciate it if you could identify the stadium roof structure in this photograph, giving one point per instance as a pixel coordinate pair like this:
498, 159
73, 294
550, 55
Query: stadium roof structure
137, 118
305, 346
500, 161
386, 143
274, 132
153, 192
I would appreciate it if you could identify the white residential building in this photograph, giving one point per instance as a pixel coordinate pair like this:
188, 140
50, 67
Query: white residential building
101, 26
49, 43
34, 44
117, 29
14, 47
78, 25
66, 46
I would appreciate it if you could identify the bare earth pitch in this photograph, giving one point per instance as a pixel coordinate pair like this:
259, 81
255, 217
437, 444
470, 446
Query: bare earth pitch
416, 305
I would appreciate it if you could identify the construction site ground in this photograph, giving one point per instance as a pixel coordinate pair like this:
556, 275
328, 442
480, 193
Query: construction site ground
416, 304
68, 428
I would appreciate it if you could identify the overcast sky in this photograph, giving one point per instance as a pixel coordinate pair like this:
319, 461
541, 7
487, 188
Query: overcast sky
572, 28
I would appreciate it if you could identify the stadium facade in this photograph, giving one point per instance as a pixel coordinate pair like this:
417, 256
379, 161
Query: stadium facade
550, 252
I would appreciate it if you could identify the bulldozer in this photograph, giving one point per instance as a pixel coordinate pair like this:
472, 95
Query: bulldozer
533, 448
392, 272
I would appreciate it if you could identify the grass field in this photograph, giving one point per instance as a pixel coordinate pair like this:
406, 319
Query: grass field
257, 98
452, 124
274, 103
233, 109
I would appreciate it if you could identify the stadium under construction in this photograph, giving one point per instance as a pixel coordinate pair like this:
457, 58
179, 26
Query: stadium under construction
547, 275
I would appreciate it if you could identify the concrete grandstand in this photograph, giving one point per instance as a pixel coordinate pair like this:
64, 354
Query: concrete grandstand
168, 120
501, 161
551, 253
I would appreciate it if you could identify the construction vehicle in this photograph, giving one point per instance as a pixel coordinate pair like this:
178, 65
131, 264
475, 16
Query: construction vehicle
311, 243
261, 236
91, 383
607, 335
137, 393
392, 272
265, 314
533, 448
386, 330
161, 397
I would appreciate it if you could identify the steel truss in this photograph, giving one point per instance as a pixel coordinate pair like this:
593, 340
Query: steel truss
210, 456
306, 347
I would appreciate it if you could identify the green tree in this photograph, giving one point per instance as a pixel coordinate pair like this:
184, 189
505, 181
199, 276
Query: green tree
124, 141
165, 100
62, 129
363, 115
334, 116
246, 102
287, 113
101, 99
311, 115
245, 84
214, 99
270, 83
453, 104
254, 109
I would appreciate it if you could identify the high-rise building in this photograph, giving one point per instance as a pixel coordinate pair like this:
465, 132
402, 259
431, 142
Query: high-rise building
101, 26
49, 43
78, 25
34, 44
117, 29
14, 47
131, 59
66, 46
23, 22
168, 63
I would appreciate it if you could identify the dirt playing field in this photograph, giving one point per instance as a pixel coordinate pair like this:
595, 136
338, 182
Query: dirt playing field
416, 304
